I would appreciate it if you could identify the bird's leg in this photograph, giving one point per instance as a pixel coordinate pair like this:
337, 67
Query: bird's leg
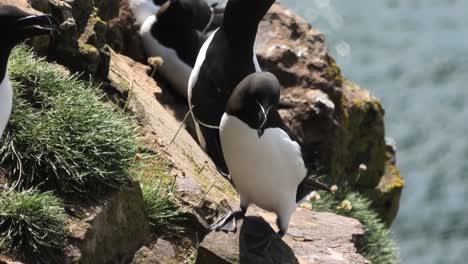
228, 222
282, 221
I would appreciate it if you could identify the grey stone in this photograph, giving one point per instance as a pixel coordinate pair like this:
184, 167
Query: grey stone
145, 256
108, 230
312, 238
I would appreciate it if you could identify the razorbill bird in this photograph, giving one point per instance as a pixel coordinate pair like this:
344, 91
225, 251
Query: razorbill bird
224, 60
142, 9
16, 26
176, 28
265, 165
205, 17
180, 24
173, 69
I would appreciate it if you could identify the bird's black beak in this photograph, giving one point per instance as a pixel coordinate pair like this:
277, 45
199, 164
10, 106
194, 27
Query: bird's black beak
36, 25
260, 132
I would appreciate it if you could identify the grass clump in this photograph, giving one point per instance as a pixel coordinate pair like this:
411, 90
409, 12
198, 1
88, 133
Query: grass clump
32, 226
158, 188
163, 212
379, 246
61, 136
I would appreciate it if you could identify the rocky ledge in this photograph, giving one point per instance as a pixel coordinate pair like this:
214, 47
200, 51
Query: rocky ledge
312, 238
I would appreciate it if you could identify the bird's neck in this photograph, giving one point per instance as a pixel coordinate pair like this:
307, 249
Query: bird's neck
241, 20
241, 35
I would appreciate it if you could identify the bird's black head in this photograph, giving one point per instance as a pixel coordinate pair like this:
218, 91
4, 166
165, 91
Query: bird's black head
254, 99
17, 25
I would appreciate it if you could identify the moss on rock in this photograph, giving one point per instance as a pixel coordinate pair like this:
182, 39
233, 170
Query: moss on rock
364, 137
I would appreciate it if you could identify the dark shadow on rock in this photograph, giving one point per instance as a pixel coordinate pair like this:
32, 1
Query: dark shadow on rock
253, 230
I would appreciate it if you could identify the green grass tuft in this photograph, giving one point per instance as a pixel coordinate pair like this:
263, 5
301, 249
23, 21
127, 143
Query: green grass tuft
61, 137
32, 226
379, 246
165, 215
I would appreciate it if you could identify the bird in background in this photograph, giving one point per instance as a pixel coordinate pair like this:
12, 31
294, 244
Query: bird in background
16, 26
181, 25
171, 30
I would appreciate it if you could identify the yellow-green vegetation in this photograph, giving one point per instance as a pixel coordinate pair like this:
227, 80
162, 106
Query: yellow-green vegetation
61, 141
158, 187
379, 246
32, 226
61, 137
363, 137
333, 71
148, 168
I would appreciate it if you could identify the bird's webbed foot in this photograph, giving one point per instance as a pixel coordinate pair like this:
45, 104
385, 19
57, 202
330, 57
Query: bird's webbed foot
228, 223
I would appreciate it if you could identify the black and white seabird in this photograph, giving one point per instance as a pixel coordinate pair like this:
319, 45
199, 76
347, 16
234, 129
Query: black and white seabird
205, 17
178, 24
176, 28
174, 69
265, 165
224, 60
16, 26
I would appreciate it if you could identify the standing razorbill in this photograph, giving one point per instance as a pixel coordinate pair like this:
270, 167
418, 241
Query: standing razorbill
265, 165
224, 60
16, 26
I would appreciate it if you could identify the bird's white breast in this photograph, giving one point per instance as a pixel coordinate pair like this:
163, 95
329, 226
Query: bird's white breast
6, 101
173, 68
265, 170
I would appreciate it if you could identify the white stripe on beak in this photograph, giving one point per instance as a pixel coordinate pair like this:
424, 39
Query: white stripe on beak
264, 114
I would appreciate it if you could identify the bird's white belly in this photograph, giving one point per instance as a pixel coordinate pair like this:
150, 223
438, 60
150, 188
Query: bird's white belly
6, 97
261, 170
173, 68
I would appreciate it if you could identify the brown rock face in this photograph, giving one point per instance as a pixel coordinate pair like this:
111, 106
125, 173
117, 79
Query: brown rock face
87, 30
131, 80
7, 260
340, 125
108, 230
161, 251
312, 238
22, 4
145, 256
